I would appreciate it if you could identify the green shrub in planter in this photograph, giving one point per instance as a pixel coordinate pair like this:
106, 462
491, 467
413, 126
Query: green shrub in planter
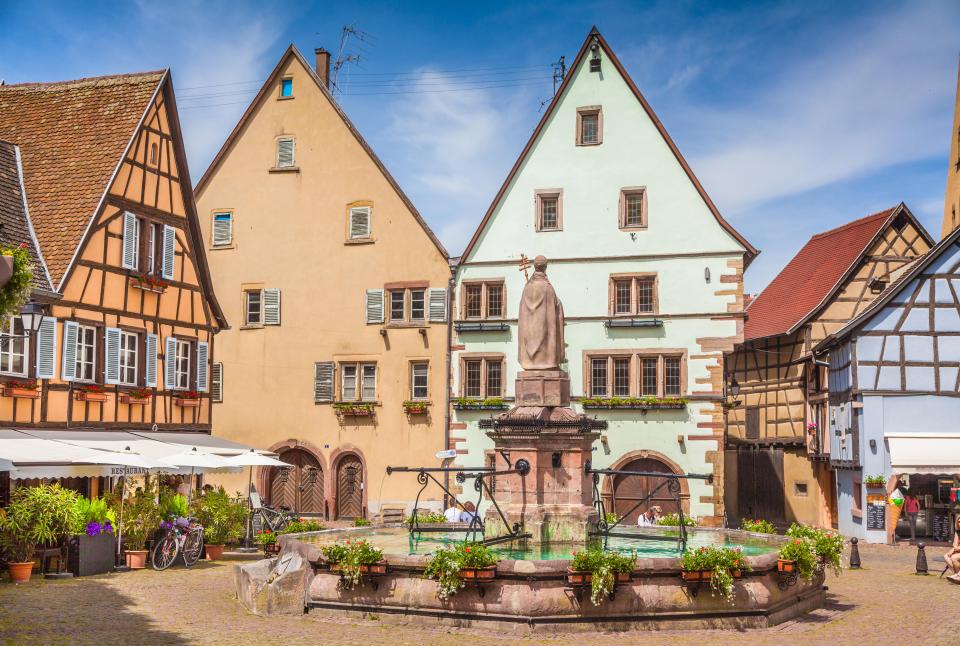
41, 515
223, 520
141, 517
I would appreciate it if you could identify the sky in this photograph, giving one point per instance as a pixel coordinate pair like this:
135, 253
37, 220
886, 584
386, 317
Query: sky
796, 117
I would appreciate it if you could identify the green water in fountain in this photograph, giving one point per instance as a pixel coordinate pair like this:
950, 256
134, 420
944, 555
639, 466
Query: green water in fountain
397, 540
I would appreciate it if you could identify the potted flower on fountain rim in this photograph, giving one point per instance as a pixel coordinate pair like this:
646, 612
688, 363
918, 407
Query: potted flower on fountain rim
799, 556
827, 544
41, 515
353, 560
718, 565
600, 569
223, 520
452, 565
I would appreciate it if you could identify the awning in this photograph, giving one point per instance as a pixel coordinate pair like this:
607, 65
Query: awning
924, 453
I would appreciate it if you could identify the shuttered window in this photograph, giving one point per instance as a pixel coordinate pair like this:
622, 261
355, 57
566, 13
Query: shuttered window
253, 307
47, 348
285, 152
271, 306
86, 353
169, 363
131, 241
358, 381
216, 382
438, 304
323, 382
111, 355
222, 229
181, 379
14, 348
374, 305
129, 349
150, 361
203, 366
359, 227
169, 252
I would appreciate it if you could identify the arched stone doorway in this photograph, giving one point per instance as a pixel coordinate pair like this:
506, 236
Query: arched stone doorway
622, 492
349, 483
298, 487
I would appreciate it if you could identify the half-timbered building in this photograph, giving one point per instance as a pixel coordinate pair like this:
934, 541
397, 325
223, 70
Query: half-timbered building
895, 401
777, 436
129, 316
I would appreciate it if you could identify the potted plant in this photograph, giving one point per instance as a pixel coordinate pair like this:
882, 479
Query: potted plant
875, 482
268, 541
473, 403
600, 569
798, 557
141, 517
15, 278
415, 407
41, 515
23, 388
148, 283
187, 399
223, 520
673, 520
353, 560
353, 409
429, 518
718, 565
93, 547
827, 544
361, 522
757, 525
90, 393
452, 566
138, 396
301, 526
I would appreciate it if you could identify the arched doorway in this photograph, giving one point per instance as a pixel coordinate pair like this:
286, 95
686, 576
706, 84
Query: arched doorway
629, 490
298, 487
349, 502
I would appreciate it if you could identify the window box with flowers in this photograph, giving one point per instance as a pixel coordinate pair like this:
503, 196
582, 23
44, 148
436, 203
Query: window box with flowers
354, 560
22, 388
718, 566
875, 482
353, 409
634, 403
268, 541
90, 393
187, 399
470, 403
137, 396
415, 407
601, 571
148, 283
452, 567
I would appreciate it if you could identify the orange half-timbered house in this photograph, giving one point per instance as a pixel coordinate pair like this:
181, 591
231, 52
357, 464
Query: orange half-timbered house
127, 338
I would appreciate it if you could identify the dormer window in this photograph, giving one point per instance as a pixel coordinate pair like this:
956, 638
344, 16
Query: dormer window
589, 126
286, 88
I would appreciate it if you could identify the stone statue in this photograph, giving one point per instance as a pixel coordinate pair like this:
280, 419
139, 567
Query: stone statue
541, 322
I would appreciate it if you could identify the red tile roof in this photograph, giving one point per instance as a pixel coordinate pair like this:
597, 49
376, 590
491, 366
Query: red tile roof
71, 135
812, 276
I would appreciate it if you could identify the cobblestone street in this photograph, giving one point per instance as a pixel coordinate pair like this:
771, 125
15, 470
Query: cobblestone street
884, 603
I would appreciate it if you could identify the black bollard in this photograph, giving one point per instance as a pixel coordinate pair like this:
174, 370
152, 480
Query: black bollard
921, 559
854, 554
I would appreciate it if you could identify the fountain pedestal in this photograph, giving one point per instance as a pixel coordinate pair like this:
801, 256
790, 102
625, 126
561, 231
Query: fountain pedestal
554, 501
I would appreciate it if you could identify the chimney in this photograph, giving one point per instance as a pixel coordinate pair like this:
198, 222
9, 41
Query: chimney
323, 65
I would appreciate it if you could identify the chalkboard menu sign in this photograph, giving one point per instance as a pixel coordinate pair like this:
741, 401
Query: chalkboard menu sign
876, 512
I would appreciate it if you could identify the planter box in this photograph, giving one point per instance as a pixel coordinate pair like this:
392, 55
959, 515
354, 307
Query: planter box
355, 412
21, 393
129, 399
415, 410
577, 577
706, 575
479, 573
271, 550
186, 403
375, 569
88, 396
87, 555
157, 289
876, 486
642, 407
786, 566
457, 406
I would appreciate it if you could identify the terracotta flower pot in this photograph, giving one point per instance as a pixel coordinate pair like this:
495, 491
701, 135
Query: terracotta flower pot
784, 565
136, 559
488, 572
214, 552
20, 572
578, 577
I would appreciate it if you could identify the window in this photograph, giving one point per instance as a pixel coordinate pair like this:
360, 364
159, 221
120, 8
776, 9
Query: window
632, 295
419, 371
589, 126
633, 208
857, 498
358, 381
222, 229
359, 222
286, 87
752, 423
800, 489
612, 374
397, 302
482, 377
483, 299
14, 351
285, 152
153, 154
418, 310
86, 353
181, 374
129, 343
253, 308
407, 305
549, 210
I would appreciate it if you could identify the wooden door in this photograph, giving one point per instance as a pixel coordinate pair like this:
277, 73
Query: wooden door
350, 487
760, 484
298, 487
629, 490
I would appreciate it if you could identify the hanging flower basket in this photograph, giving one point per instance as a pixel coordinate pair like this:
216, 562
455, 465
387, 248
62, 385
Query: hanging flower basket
26, 389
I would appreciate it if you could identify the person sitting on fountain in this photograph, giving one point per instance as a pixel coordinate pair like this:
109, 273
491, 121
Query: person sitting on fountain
952, 557
647, 518
453, 513
469, 512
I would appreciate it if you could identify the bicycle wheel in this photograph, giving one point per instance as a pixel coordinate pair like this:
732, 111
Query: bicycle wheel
193, 547
165, 552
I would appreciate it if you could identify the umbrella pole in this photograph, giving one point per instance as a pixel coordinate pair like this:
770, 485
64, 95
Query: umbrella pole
249, 516
123, 494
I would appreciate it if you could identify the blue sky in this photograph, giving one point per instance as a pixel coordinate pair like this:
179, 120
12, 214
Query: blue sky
797, 117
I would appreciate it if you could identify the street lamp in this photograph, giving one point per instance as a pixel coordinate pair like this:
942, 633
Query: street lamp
734, 387
32, 316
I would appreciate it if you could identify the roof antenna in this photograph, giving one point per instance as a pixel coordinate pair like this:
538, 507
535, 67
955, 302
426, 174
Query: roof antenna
347, 58
559, 71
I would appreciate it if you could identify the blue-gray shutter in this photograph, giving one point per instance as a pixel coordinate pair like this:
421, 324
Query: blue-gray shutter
203, 367
131, 241
70, 331
169, 249
47, 348
169, 362
111, 355
271, 306
150, 361
323, 382
374, 306
216, 382
438, 304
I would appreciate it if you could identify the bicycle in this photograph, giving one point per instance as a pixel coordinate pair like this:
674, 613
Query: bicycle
184, 535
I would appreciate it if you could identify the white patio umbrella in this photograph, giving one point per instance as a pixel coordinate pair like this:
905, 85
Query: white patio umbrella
126, 459
195, 459
253, 459
6, 465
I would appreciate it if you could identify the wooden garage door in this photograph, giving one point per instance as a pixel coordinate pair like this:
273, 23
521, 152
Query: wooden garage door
760, 484
350, 487
628, 490
300, 486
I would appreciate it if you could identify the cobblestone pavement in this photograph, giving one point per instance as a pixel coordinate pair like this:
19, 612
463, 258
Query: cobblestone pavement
884, 603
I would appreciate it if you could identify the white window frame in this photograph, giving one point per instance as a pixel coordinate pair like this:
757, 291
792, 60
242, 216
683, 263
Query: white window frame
134, 339
358, 381
81, 363
425, 377
247, 293
181, 369
366, 210
217, 216
12, 347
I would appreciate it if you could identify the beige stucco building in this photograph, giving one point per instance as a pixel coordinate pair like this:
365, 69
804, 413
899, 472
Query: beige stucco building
337, 294
951, 208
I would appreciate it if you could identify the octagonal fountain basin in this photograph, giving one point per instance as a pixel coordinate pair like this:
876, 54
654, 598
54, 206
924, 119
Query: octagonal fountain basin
530, 591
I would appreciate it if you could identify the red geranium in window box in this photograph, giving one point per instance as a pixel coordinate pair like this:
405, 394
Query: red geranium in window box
187, 399
137, 396
24, 388
90, 393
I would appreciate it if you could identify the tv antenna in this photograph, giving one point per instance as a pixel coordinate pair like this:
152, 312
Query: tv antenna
346, 57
